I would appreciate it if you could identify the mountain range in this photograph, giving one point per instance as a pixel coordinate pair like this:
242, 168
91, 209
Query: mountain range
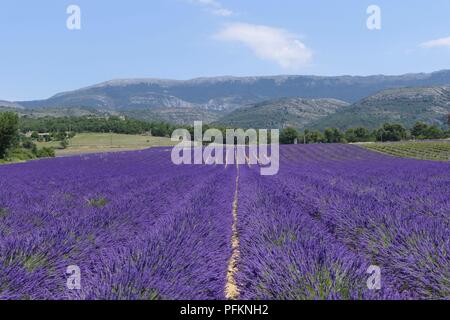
281, 113
402, 105
271, 101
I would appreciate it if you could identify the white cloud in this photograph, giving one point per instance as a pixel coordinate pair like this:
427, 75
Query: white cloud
268, 43
214, 7
443, 42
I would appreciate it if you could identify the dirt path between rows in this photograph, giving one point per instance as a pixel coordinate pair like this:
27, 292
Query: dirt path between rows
231, 288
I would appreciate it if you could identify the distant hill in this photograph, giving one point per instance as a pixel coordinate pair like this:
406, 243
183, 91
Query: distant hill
229, 93
406, 106
264, 102
281, 113
183, 116
11, 105
62, 112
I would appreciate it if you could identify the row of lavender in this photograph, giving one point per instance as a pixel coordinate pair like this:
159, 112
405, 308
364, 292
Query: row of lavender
141, 228
312, 231
137, 227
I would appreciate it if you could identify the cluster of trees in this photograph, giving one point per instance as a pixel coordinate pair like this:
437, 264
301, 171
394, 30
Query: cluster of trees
16, 146
388, 132
62, 129
62, 137
112, 124
27, 149
422, 131
52, 136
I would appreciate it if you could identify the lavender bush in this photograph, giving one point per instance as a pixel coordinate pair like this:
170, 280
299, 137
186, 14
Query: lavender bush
140, 227
312, 231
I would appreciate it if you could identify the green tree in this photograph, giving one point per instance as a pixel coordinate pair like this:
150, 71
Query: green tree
289, 135
71, 135
64, 143
312, 137
424, 131
433, 132
9, 131
391, 132
60, 136
419, 130
27, 143
333, 135
359, 134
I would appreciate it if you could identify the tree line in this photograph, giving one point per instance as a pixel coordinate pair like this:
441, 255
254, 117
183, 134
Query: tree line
17, 147
389, 132
59, 129
115, 124
14, 143
112, 124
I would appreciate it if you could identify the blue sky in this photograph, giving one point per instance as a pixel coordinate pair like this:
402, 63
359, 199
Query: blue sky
182, 39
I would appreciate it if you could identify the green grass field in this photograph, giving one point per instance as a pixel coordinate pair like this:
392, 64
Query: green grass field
106, 142
425, 150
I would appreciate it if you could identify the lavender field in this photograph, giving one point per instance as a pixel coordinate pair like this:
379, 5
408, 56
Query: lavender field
140, 227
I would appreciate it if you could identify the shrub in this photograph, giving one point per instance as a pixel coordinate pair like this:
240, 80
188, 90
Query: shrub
20, 154
64, 143
46, 153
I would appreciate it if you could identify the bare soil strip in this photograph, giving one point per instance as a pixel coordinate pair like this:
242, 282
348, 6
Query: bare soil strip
226, 160
247, 160
231, 288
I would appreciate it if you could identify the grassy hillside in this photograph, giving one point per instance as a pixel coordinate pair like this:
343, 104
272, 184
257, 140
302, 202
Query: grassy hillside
426, 150
180, 116
405, 106
61, 112
295, 112
105, 142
